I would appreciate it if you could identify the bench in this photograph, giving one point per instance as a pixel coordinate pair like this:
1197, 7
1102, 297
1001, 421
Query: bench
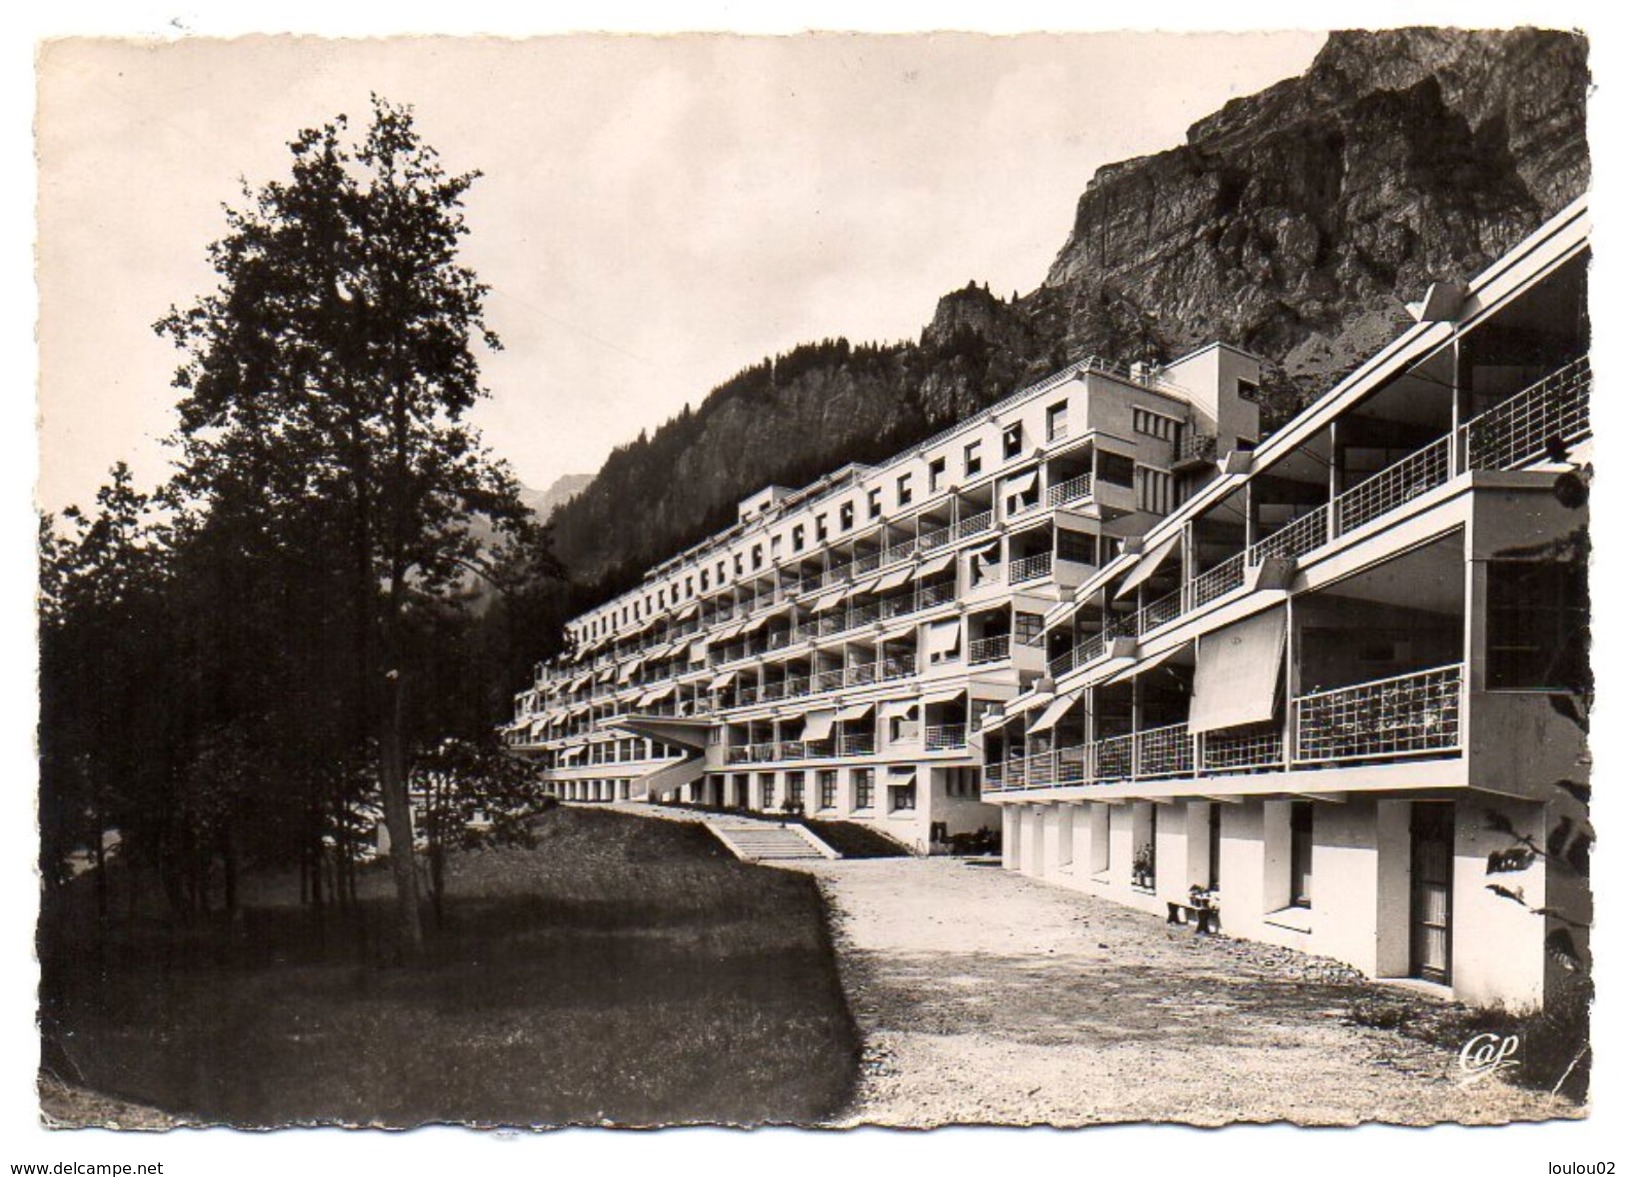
1204, 915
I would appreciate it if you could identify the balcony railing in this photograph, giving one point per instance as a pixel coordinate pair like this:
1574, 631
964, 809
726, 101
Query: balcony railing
930, 595
1520, 428
993, 649
1218, 580
936, 538
1407, 715
942, 736
1073, 490
1399, 716
858, 744
973, 525
900, 666
1031, 567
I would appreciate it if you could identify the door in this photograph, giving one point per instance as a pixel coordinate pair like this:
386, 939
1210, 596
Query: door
1433, 837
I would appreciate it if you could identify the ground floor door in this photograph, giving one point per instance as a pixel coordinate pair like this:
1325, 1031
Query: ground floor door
1433, 839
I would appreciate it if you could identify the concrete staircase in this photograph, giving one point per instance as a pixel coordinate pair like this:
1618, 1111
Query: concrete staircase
664, 783
761, 842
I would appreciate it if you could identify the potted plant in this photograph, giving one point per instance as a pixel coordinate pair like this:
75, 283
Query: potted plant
1145, 874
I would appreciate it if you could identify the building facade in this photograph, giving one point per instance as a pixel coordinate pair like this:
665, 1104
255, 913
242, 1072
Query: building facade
1316, 686
834, 651
1329, 693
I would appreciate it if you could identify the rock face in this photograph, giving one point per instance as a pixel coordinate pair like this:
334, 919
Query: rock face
1294, 222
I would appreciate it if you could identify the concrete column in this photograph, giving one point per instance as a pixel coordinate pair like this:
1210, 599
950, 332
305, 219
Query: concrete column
1010, 836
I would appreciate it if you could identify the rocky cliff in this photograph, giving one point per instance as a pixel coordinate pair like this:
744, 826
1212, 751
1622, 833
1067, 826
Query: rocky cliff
1294, 222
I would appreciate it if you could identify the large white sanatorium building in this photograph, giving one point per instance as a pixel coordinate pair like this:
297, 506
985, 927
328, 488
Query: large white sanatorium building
1322, 677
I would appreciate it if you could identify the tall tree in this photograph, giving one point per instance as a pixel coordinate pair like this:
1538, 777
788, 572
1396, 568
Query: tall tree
326, 381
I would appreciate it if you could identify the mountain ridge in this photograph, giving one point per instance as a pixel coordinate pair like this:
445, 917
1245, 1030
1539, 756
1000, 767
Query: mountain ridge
1294, 222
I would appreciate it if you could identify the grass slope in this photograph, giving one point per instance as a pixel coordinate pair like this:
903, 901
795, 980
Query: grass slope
624, 970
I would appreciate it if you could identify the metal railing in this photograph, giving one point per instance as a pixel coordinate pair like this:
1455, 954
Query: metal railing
993, 649
1218, 580
1031, 567
1406, 715
1522, 427
1388, 489
857, 744
973, 524
941, 736
1399, 716
1072, 490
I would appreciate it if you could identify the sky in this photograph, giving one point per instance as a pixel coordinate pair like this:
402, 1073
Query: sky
655, 213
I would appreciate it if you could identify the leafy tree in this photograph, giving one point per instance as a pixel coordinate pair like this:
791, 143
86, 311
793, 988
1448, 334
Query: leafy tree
326, 384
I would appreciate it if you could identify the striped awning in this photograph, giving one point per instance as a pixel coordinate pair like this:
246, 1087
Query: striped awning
1146, 665
854, 712
1052, 714
896, 578
687, 611
935, 565
832, 601
722, 680
818, 725
1021, 483
1147, 567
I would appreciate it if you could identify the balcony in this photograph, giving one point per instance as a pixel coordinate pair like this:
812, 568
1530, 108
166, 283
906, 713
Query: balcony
992, 649
858, 744
901, 666
1195, 447
1073, 490
973, 525
941, 737
1517, 431
1408, 715
1031, 567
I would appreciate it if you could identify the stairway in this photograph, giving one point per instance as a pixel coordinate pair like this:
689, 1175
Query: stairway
771, 843
664, 782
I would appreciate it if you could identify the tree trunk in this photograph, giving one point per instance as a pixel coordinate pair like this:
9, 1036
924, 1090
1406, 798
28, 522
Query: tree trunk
398, 820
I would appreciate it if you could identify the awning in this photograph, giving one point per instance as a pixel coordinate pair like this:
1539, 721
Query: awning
722, 680
829, 602
935, 565
1053, 713
854, 712
687, 611
941, 640
1238, 670
629, 670
988, 554
657, 695
697, 651
1026, 703
899, 708
942, 696
727, 631
1021, 483
581, 680
1147, 567
605, 674
868, 586
1144, 666
754, 624
656, 653
818, 726
900, 777
896, 578
680, 647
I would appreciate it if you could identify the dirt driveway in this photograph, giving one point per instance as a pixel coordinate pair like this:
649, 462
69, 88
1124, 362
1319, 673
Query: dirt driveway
985, 997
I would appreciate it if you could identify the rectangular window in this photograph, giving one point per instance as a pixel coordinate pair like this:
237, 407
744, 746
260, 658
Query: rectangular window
798, 536
863, 788
1247, 390
1536, 627
1055, 421
739, 563
688, 586
1303, 843
826, 789
1114, 468
1030, 629
938, 472
905, 490
774, 544
766, 780
705, 579
797, 790
874, 503
1012, 440
756, 557
973, 458
821, 528
661, 597
847, 516
1153, 490
902, 797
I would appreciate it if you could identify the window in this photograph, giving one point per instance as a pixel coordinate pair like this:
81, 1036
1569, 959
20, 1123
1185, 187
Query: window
1303, 844
973, 458
766, 780
661, 597
722, 572
688, 586
1536, 626
937, 471
874, 503
821, 528
798, 536
902, 797
863, 788
796, 788
1076, 546
1030, 629
847, 516
1055, 421
1114, 468
1247, 390
1012, 440
756, 557
773, 546
1215, 814
739, 563
705, 579
905, 490
1158, 425
1153, 490
826, 789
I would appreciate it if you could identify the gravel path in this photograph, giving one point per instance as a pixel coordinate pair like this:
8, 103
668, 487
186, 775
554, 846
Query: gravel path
984, 997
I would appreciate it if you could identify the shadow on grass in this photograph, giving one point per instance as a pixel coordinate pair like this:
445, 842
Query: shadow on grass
620, 971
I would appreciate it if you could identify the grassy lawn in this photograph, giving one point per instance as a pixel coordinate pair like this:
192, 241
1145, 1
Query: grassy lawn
624, 970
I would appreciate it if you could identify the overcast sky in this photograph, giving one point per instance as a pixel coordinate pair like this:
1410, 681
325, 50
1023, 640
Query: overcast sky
655, 213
